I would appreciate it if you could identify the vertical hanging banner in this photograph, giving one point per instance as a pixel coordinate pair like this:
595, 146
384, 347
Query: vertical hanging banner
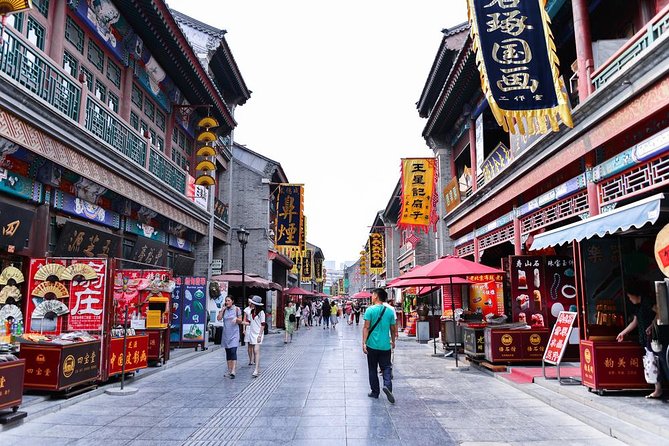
289, 221
517, 60
419, 182
307, 271
87, 298
318, 269
363, 263
376, 253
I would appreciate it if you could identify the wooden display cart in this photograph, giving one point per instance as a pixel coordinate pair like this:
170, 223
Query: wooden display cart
11, 384
58, 367
158, 344
137, 354
474, 342
610, 365
506, 346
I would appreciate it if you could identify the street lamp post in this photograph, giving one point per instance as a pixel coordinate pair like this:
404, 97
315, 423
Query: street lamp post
243, 237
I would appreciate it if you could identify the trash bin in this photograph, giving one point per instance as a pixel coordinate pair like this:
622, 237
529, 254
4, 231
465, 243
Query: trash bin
218, 335
448, 334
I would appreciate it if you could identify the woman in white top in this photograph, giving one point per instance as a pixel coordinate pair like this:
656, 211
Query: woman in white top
254, 319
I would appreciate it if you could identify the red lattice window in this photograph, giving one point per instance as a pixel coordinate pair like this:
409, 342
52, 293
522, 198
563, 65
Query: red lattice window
501, 235
465, 250
648, 176
561, 210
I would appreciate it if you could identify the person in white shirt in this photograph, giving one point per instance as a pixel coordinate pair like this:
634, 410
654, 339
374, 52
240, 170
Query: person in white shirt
254, 319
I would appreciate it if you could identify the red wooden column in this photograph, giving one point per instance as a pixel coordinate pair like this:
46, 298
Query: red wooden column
593, 194
477, 253
126, 94
57, 30
584, 56
517, 241
472, 153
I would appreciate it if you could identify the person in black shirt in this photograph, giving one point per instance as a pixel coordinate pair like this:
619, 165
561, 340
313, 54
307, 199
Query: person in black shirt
325, 309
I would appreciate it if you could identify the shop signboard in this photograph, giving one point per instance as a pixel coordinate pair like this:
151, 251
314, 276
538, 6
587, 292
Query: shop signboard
560, 286
515, 345
612, 365
87, 298
82, 241
80, 363
136, 355
177, 301
144, 230
42, 367
149, 251
20, 186
180, 243
79, 207
194, 309
486, 293
557, 343
452, 195
528, 290
15, 224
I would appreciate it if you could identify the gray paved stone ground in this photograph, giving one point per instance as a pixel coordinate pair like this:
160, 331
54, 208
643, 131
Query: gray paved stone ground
311, 392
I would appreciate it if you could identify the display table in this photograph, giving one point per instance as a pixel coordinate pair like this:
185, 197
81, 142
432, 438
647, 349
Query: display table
474, 342
136, 354
60, 367
503, 345
11, 384
159, 348
610, 365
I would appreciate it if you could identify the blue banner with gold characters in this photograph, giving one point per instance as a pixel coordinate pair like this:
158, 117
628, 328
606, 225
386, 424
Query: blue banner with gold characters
517, 60
289, 216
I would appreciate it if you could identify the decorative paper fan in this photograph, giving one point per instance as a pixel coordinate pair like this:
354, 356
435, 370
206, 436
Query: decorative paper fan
11, 273
9, 291
44, 288
80, 269
11, 311
46, 306
52, 272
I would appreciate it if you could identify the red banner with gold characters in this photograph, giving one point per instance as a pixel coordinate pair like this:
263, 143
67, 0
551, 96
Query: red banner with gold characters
87, 298
376, 253
136, 354
419, 183
289, 216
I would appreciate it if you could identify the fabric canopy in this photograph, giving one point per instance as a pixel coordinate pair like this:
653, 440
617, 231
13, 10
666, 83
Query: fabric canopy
406, 283
234, 278
632, 215
297, 291
450, 266
362, 295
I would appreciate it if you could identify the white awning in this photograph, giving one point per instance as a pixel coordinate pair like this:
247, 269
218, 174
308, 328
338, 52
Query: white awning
621, 219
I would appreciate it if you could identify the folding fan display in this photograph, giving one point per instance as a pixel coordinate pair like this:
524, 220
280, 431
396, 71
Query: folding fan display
11, 311
11, 274
56, 288
51, 272
80, 269
9, 291
47, 306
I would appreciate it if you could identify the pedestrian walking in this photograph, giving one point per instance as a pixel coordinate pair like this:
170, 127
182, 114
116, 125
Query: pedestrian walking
378, 339
231, 316
326, 313
349, 312
289, 321
306, 314
356, 312
298, 315
333, 314
254, 319
318, 309
311, 314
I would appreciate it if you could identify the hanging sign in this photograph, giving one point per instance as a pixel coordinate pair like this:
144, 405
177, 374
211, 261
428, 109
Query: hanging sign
452, 195
82, 241
557, 343
149, 251
376, 253
363, 263
517, 60
307, 272
78, 207
289, 220
15, 224
419, 181
318, 269
87, 298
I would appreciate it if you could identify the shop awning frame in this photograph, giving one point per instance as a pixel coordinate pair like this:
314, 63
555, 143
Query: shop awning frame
622, 219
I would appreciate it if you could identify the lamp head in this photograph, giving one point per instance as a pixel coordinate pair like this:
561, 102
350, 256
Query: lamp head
242, 236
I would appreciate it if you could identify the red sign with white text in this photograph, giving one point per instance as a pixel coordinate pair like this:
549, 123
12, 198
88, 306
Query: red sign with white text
87, 298
557, 343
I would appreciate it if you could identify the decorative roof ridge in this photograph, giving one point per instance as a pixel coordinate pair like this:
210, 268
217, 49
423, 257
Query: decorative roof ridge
227, 52
200, 26
254, 153
448, 32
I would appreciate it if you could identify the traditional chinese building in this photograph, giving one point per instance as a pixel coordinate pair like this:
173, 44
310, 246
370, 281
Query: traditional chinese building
99, 103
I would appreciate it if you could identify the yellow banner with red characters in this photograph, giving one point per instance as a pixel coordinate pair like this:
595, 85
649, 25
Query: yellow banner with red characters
419, 182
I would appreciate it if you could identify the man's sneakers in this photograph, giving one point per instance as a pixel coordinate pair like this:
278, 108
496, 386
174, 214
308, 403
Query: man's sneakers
389, 394
373, 395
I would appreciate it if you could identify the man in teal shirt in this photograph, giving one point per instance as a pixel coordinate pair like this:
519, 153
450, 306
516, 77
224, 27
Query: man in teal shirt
378, 338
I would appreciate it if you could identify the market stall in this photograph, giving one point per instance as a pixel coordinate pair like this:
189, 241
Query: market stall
11, 379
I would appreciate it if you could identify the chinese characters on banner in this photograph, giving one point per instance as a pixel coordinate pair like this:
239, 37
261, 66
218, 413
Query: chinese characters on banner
419, 181
376, 253
452, 194
307, 273
15, 226
87, 299
486, 293
289, 220
81, 241
559, 339
318, 269
518, 64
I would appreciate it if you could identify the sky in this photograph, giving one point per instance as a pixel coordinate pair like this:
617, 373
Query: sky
334, 91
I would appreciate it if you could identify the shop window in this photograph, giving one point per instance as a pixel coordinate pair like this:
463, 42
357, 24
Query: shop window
149, 109
189, 146
175, 136
42, 6
160, 143
36, 33
88, 77
170, 259
95, 55
112, 102
74, 34
128, 246
16, 21
152, 135
160, 120
134, 121
182, 140
113, 73
136, 96
70, 64
100, 91
143, 127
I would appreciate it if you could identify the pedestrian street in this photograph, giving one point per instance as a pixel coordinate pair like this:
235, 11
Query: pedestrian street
312, 391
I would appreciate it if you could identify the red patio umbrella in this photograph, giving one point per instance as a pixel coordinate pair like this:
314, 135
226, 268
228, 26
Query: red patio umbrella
297, 291
234, 277
450, 267
362, 295
401, 282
